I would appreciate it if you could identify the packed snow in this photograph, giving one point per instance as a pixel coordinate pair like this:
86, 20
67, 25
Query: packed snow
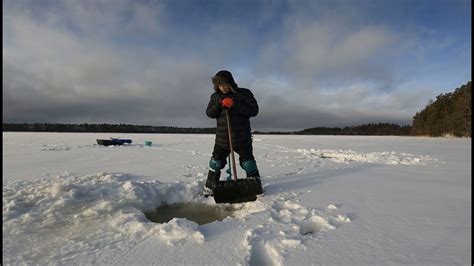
348, 200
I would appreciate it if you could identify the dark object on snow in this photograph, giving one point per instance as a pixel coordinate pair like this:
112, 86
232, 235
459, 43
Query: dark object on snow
128, 141
108, 142
112, 141
237, 190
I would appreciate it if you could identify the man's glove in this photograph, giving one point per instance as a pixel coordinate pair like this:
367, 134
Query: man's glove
227, 102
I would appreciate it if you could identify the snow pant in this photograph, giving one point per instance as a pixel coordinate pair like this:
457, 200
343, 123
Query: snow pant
219, 158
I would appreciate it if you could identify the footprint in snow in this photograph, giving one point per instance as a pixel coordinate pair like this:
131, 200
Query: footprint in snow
261, 251
339, 219
334, 207
314, 225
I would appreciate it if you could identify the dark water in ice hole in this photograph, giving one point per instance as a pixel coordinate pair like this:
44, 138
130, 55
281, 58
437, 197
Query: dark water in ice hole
196, 212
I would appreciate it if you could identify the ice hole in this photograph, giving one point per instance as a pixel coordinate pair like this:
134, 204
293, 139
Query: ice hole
196, 212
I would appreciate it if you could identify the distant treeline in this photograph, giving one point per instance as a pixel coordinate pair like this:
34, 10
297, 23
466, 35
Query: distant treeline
369, 129
449, 114
379, 129
105, 128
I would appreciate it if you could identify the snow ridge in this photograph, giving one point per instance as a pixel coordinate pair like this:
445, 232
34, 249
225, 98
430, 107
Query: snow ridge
57, 213
345, 156
68, 217
286, 225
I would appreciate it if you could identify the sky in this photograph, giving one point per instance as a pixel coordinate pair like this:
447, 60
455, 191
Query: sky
309, 63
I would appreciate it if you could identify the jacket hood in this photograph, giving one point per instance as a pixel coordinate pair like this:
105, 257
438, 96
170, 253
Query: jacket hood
224, 77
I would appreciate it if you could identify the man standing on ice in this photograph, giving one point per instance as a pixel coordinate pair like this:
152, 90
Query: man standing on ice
241, 105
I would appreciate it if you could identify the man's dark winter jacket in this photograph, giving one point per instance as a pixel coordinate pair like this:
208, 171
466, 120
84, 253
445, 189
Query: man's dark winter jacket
245, 106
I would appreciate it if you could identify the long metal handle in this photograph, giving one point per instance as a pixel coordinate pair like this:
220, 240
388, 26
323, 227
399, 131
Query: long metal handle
229, 133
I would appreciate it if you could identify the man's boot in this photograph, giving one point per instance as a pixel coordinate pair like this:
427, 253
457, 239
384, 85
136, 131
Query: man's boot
211, 183
250, 167
212, 177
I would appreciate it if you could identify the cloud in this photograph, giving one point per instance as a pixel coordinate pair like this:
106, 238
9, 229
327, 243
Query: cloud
324, 41
337, 63
309, 63
53, 74
319, 51
332, 108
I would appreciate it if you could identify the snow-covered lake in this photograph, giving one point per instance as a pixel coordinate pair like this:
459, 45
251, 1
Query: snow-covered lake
347, 200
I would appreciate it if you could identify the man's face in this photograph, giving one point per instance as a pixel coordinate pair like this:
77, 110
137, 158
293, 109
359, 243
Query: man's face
224, 88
